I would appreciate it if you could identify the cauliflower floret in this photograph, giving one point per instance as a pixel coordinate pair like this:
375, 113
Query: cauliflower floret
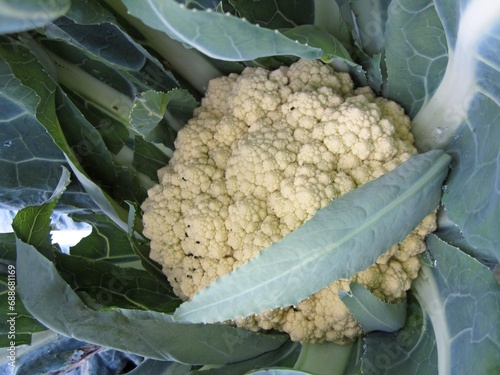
264, 152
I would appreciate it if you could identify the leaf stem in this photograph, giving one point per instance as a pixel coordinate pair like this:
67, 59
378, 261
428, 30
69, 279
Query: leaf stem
442, 115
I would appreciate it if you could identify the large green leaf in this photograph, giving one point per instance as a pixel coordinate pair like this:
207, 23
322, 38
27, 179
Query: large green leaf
462, 299
285, 356
21, 15
107, 241
372, 313
410, 351
277, 14
443, 66
149, 110
471, 29
327, 358
10, 303
155, 335
148, 158
112, 286
340, 240
314, 36
93, 156
416, 52
474, 207
221, 36
25, 66
29, 159
472, 195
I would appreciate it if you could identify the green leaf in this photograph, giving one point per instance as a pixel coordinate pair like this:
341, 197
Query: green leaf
7, 248
416, 52
325, 359
150, 109
146, 333
22, 15
87, 145
32, 223
372, 313
319, 38
285, 356
473, 206
11, 307
148, 158
112, 286
30, 72
330, 246
411, 350
366, 20
107, 241
277, 14
221, 36
29, 159
470, 79
95, 39
462, 299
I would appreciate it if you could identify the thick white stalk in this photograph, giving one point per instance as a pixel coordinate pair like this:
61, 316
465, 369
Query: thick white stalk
429, 297
442, 115
106, 98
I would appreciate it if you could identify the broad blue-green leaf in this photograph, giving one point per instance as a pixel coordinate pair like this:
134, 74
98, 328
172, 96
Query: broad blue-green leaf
32, 224
471, 28
11, 305
221, 36
450, 233
113, 286
148, 158
7, 248
30, 72
29, 159
150, 110
104, 41
277, 14
366, 20
462, 299
93, 156
285, 356
107, 241
340, 240
319, 38
95, 32
410, 351
147, 333
22, 15
372, 313
444, 67
327, 358
472, 196
416, 52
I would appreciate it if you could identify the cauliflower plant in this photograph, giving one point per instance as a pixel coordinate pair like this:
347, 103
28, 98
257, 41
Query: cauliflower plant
263, 152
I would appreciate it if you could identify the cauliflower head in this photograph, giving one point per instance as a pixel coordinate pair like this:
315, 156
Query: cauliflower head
264, 152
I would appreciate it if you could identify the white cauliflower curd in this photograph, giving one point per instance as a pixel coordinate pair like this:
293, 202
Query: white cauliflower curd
263, 152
